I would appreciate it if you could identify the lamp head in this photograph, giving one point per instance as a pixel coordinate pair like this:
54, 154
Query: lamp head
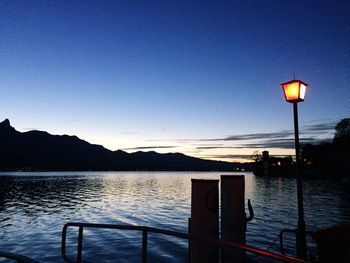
294, 90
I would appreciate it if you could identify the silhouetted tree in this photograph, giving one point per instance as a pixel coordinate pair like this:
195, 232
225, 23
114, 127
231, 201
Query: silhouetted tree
342, 132
330, 159
256, 156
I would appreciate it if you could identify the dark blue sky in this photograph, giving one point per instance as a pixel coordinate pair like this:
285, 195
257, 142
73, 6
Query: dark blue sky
129, 74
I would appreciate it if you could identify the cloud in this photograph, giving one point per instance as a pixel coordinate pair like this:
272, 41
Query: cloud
148, 148
219, 147
30, 129
129, 133
310, 130
234, 156
314, 133
228, 156
322, 127
287, 143
306, 129
259, 136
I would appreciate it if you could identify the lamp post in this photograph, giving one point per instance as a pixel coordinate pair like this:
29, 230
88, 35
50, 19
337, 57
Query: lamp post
294, 92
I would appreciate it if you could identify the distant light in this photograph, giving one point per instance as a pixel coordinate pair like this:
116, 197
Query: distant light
294, 90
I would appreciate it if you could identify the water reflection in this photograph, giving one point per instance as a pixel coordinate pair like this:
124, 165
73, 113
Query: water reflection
47, 195
34, 207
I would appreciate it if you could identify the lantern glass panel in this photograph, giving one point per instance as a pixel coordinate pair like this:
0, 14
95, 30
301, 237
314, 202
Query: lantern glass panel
302, 91
291, 91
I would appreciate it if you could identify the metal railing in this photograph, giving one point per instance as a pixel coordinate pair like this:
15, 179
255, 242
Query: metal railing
18, 258
145, 230
281, 236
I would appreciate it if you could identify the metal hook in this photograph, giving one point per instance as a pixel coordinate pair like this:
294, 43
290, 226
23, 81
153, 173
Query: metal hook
251, 212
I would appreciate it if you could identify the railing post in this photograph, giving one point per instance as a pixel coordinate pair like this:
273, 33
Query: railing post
189, 240
80, 244
144, 246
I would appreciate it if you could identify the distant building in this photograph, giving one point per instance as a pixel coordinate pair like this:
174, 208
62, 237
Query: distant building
273, 166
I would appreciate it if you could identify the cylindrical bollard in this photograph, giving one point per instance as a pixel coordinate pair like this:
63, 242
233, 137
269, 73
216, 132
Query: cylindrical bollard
233, 217
204, 220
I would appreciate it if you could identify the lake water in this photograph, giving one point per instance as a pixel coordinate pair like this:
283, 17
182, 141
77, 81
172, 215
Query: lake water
35, 206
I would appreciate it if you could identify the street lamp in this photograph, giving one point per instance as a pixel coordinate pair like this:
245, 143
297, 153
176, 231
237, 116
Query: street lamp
294, 92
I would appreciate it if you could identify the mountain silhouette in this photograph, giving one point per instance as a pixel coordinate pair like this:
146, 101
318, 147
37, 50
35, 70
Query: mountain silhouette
40, 151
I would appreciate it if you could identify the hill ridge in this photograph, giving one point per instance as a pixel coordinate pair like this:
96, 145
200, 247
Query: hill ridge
41, 151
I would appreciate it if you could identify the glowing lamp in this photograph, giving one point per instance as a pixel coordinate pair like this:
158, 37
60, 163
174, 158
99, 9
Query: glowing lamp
294, 90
